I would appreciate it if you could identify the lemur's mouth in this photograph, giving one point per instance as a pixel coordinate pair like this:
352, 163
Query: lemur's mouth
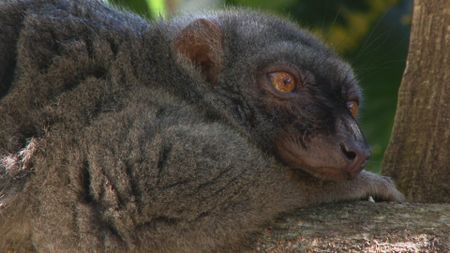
321, 158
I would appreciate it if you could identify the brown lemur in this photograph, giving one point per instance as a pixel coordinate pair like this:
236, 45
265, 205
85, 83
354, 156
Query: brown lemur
118, 134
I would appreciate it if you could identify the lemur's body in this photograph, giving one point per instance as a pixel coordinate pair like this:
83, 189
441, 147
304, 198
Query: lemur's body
167, 137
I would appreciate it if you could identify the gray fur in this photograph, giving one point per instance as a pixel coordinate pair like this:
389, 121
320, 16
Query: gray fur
110, 143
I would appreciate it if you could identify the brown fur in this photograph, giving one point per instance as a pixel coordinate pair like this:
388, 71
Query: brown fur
111, 140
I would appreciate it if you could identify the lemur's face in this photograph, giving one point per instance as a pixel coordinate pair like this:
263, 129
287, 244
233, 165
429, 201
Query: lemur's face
314, 119
305, 99
283, 88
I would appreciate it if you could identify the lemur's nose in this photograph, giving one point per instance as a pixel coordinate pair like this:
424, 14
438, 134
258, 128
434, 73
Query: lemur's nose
356, 157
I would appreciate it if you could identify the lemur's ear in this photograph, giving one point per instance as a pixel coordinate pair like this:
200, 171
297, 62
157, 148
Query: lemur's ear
201, 42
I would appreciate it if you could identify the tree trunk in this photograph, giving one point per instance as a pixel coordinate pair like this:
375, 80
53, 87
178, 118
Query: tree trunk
360, 227
418, 155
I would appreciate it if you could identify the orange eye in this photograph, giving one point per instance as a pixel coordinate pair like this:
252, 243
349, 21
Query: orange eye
283, 81
353, 107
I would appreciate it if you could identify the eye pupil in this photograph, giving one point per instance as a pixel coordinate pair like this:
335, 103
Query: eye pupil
283, 81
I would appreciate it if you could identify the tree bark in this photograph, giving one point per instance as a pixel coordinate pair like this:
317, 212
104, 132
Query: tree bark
360, 227
418, 155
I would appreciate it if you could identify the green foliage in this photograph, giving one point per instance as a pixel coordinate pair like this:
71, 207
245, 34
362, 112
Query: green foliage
145, 8
138, 6
157, 8
342, 23
379, 61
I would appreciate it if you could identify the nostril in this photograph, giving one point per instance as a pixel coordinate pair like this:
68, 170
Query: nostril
356, 157
351, 155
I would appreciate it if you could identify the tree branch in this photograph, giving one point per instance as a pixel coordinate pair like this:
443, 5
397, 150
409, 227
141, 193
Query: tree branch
361, 227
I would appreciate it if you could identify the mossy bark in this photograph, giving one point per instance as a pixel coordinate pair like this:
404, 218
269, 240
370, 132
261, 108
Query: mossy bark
418, 156
360, 227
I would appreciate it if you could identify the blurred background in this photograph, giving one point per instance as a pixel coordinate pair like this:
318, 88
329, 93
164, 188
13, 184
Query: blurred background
371, 34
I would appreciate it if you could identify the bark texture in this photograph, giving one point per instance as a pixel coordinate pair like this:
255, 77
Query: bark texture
418, 156
361, 227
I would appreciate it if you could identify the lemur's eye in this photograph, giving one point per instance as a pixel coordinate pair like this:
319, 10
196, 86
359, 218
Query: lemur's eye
353, 107
283, 81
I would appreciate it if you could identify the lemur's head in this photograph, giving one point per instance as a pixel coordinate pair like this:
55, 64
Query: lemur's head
280, 86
